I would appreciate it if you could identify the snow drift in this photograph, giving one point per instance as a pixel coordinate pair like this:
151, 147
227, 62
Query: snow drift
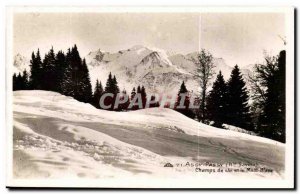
55, 136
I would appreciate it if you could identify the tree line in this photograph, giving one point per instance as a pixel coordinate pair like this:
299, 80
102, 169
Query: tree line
226, 103
112, 87
64, 73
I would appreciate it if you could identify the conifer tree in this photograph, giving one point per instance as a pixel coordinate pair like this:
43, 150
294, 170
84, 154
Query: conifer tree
68, 83
19, 82
268, 88
138, 91
84, 84
217, 102
115, 85
144, 96
183, 96
132, 96
60, 68
76, 79
48, 78
35, 71
124, 106
25, 81
111, 87
238, 109
156, 104
76, 74
97, 94
14, 82
133, 93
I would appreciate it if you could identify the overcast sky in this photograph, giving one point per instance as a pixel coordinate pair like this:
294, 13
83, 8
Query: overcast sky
239, 38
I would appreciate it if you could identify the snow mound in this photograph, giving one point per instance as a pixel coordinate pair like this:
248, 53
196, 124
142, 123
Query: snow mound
56, 136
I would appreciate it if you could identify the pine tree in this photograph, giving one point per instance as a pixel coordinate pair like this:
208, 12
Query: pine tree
124, 106
133, 93
76, 79
238, 109
217, 102
15, 82
281, 136
25, 81
138, 91
19, 82
60, 68
35, 71
132, 96
84, 84
183, 108
144, 96
75, 64
109, 87
97, 94
68, 84
48, 78
269, 94
152, 105
115, 85
112, 88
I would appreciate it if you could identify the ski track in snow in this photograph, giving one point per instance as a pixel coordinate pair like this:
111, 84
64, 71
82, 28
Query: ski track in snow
58, 137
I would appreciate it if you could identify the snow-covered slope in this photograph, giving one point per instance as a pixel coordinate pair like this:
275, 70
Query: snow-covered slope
154, 68
56, 136
137, 66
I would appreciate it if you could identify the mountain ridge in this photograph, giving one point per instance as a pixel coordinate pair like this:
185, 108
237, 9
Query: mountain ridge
159, 71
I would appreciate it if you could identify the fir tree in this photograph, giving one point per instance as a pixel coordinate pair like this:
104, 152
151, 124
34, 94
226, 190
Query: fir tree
124, 106
35, 71
115, 85
268, 88
133, 93
238, 109
19, 82
138, 91
217, 102
152, 105
25, 80
68, 84
14, 82
84, 84
48, 79
144, 96
76, 80
132, 96
97, 94
281, 136
60, 68
112, 88
75, 63
183, 96
109, 87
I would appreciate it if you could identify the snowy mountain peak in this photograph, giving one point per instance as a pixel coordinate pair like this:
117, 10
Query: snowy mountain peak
20, 63
96, 55
156, 60
19, 60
